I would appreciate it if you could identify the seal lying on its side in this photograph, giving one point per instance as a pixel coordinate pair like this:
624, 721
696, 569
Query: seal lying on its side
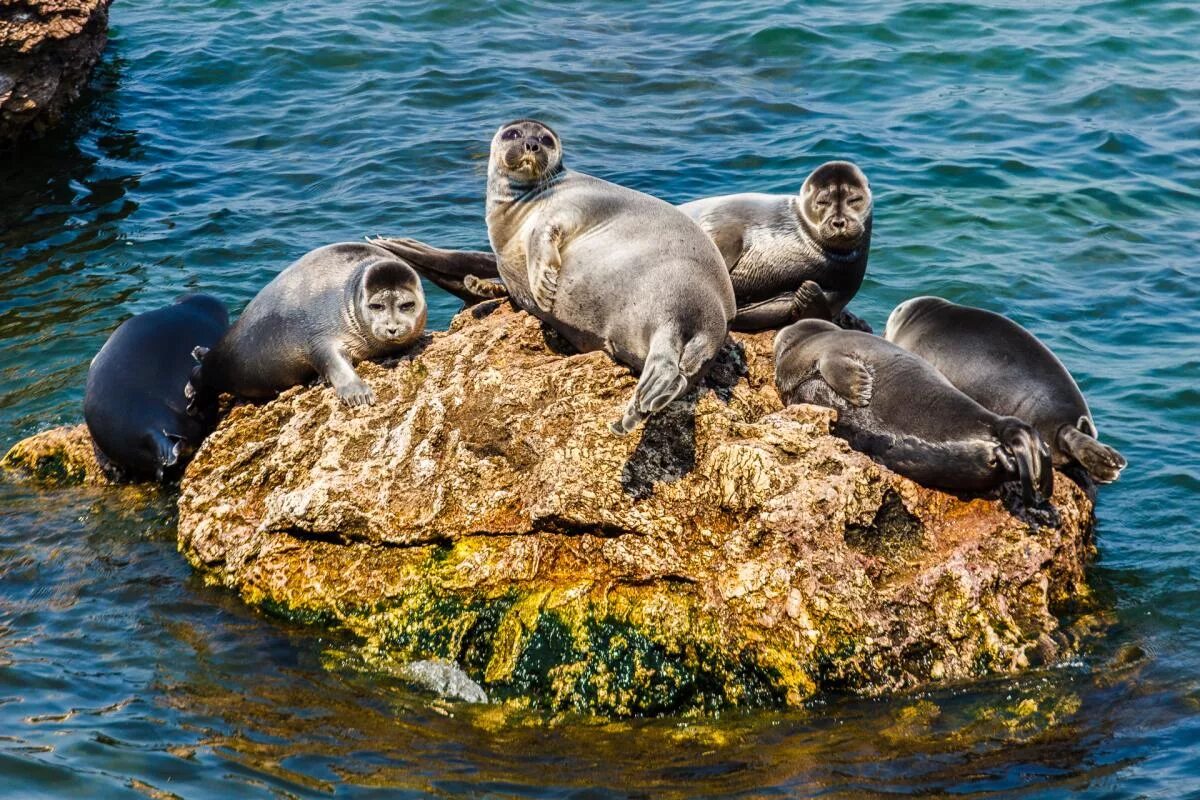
1006, 369
334, 307
900, 410
608, 267
793, 257
135, 404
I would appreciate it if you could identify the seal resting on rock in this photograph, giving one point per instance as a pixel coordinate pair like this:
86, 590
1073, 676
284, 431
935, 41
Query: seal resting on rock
793, 257
135, 404
1007, 370
608, 267
334, 307
898, 409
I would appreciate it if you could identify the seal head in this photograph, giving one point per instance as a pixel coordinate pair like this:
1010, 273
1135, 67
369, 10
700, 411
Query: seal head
836, 204
526, 151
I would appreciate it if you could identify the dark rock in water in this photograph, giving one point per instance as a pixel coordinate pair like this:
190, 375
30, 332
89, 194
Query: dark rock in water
444, 679
47, 51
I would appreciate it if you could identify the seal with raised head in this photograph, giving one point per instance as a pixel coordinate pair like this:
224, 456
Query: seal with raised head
1006, 369
793, 257
135, 404
608, 267
895, 407
335, 306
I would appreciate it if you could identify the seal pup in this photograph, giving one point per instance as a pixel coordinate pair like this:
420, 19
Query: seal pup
895, 407
793, 257
1006, 369
135, 405
334, 307
608, 267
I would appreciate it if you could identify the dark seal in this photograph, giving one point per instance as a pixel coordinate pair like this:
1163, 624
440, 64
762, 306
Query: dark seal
1006, 369
898, 409
135, 404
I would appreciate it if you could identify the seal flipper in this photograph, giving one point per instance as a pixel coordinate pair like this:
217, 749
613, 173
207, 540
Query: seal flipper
1102, 462
1032, 460
662, 380
849, 378
811, 303
543, 263
334, 367
426, 258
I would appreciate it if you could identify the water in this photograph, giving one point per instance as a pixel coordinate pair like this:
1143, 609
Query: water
1040, 161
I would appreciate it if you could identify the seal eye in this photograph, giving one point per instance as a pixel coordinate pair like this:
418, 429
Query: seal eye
510, 134
856, 200
547, 141
821, 202
409, 306
375, 306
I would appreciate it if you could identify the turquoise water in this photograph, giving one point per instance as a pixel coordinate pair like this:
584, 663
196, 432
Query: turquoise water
1040, 161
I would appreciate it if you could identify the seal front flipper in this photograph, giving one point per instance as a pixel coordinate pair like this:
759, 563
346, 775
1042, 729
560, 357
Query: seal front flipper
1101, 461
774, 312
849, 378
1027, 455
333, 366
809, 302
543, 261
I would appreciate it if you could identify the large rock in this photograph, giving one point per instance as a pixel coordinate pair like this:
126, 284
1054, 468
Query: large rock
47, 51
731, 553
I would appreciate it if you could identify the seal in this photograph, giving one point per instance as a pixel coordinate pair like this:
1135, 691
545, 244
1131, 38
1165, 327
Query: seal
793, 257
1006, 369
335, 306
898, 409
135, 405
608, 267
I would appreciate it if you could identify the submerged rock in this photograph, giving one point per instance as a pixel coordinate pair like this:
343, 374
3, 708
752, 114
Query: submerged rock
445, 679
732, 552
59, 455
47, 51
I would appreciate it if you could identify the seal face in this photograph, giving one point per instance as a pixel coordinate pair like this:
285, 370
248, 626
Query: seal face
608, 267
793, 257
1006, 369
334, 307
135, 404
945, 440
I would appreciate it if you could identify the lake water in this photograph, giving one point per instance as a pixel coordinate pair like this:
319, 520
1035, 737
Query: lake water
1044, 162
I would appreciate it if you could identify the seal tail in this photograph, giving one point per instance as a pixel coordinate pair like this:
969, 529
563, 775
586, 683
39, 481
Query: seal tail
1034, 466
662, 381
1102, 462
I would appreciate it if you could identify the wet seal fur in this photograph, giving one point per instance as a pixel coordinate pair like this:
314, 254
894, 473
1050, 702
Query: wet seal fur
608, 267
793, 257
135, 403
1007, 370
335, 306
895, 407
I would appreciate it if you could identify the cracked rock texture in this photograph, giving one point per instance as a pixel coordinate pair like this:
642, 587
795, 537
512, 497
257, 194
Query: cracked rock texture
47, 51
732, 552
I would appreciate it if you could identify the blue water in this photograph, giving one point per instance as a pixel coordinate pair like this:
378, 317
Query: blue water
1040, 161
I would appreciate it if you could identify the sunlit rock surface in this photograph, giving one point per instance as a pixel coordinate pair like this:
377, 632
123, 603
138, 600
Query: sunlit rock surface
47, 51
731, 553
58, 455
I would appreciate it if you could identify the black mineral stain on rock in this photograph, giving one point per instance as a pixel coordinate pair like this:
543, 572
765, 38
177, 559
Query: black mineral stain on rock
481, 310
666, 451
726, 370
557, 342
893, 529
1040, 516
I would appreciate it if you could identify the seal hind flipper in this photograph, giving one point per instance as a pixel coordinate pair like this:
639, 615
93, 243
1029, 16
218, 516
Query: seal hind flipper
463, 273
811, 303
484, 289
1101, 461
662, 380
850, 378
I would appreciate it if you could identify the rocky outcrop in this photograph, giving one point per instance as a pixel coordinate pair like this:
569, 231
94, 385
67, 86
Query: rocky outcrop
47, 51
732, 552
59, 455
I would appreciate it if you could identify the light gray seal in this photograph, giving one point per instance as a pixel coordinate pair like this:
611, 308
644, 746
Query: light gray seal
334, 307
1006, 369
608, 267
793, 257
135, 404
897, 408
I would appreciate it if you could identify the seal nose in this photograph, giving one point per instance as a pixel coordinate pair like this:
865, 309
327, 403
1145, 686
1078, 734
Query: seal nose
839, 223
531, 146
392, 331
